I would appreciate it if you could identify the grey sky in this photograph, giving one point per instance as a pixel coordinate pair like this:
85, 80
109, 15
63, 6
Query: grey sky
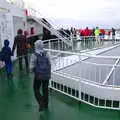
101, 12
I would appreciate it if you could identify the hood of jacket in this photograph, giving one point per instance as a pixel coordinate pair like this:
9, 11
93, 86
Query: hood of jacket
39, 47
6, 43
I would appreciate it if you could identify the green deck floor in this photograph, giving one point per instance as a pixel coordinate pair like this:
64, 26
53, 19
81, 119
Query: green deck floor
17, 103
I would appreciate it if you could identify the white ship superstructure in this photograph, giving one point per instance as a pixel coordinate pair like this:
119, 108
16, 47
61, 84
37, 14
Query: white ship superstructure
12, 18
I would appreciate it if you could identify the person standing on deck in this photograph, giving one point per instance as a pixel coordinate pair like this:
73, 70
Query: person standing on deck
20, 43
41, 66
97, 34
113, 35
5, 55
102, 31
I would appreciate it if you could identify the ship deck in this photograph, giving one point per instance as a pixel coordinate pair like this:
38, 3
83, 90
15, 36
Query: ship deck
17, 100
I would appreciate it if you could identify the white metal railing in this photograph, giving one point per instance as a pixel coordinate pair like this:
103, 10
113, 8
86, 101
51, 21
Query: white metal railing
94, 83
106, 37
84, 45
57, 44
53, 31
33, 12
74, 85
112, 70
98, 73
42, 20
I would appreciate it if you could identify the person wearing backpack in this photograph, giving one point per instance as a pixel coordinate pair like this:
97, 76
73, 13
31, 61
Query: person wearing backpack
5, 56
41, 66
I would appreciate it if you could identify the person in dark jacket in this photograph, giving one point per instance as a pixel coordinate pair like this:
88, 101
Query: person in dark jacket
20, 43
113, 35
6, 54
41, 66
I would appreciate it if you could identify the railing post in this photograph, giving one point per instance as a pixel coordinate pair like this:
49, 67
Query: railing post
72, 44
58, 44
113, 78
79, 83
49, 44
62, 46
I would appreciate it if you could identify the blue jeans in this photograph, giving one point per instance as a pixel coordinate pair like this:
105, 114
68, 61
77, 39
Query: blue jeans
8, 67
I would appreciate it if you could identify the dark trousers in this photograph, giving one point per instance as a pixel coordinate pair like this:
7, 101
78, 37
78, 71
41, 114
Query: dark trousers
26, 62
41, 97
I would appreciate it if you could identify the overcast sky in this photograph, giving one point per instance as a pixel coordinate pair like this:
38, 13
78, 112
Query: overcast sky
79, 13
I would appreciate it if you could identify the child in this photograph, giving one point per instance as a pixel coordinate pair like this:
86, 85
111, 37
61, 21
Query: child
6, 57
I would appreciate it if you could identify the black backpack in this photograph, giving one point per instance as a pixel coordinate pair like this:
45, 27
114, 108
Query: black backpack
42, 67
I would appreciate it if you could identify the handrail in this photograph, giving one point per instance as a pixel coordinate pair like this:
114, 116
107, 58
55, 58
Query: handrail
112, 70
82, 38
37, 15
97, 64
94, 65
83, 54
109, 67
53, 31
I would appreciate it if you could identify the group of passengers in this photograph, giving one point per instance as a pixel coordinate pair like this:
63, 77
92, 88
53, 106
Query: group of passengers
98, 33
20, 43
40, 65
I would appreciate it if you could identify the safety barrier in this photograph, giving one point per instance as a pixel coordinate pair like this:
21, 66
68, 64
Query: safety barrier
93, 80
85, 44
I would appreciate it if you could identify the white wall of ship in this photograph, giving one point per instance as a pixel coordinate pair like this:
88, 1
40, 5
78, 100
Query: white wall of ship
11, 19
